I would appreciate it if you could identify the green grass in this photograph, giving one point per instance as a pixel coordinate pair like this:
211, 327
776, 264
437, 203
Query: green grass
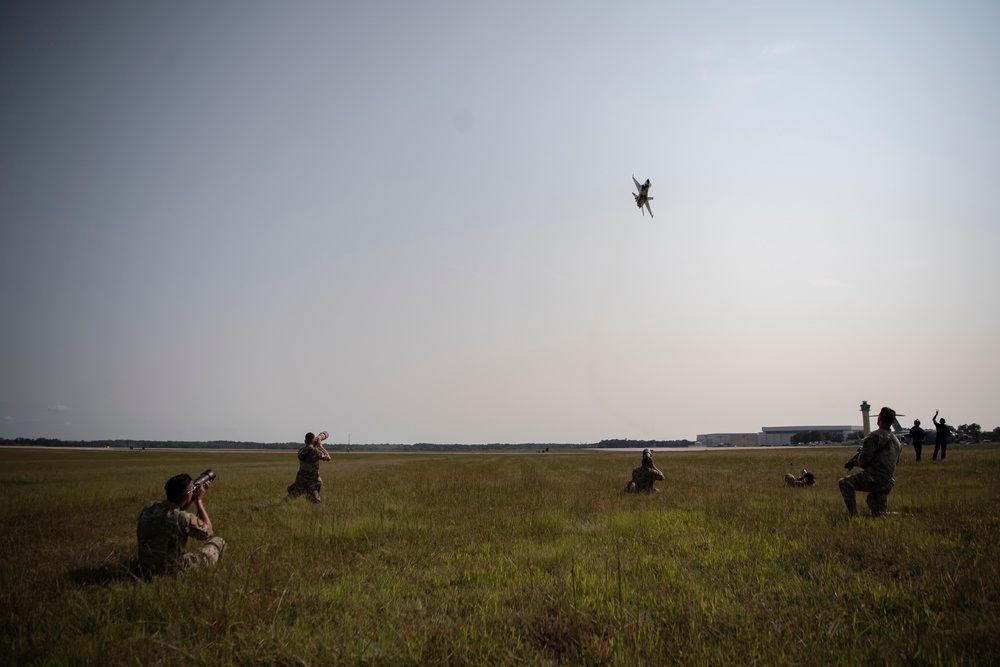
505, 558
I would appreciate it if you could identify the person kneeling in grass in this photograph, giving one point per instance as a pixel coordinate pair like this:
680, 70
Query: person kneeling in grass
878, 457
164, 528
645, 475
308, 481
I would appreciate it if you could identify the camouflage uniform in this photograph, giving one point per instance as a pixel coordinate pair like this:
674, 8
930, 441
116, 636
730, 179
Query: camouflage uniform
643, 479
307, 480
162, 534
807, 479
878, 457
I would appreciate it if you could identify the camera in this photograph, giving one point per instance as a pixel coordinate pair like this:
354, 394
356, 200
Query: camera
206, 476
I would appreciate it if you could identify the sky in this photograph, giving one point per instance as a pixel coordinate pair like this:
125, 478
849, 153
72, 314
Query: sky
413, 222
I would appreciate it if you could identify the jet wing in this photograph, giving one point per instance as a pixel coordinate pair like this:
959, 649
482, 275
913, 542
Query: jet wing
638, 188
649, 209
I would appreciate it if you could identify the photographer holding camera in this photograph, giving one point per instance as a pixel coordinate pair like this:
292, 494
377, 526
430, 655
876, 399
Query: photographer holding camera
878, 456
644, 476
805, 479
308, 481
164, 528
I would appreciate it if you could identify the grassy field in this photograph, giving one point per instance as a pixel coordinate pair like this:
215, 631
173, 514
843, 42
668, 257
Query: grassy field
506, 558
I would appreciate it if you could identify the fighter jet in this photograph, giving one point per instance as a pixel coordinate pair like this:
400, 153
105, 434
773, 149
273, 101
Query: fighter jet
643, 197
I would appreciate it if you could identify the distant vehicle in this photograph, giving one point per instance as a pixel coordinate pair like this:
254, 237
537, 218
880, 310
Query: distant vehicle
642, 198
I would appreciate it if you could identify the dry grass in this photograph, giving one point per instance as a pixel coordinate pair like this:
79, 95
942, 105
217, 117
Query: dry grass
507, 558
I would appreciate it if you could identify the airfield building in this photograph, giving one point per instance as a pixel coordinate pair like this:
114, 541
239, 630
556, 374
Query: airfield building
770, 436
775, 436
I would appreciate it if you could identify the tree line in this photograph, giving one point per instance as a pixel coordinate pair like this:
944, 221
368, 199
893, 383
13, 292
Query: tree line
964, 433
384, 447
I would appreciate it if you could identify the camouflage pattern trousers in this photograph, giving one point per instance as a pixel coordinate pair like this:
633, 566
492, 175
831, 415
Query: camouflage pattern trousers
310, 490
209, 554
876, 487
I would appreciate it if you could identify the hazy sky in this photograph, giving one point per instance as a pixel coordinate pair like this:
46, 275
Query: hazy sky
413, 222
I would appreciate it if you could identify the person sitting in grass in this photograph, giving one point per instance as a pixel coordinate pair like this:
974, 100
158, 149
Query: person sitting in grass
308, 481
645, 475
878, 456
805, 479
164, 527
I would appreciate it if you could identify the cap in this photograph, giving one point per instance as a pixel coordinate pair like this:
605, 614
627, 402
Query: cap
888, 412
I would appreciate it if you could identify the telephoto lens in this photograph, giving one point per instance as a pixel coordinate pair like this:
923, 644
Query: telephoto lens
206, 476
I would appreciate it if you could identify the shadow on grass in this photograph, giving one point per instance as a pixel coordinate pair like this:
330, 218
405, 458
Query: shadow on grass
252, 509
107, 574
270, 506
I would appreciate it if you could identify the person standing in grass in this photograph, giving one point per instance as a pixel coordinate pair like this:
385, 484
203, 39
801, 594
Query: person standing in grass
645, 475
164, 528
877, 457
308, 481
917, 436
941, 437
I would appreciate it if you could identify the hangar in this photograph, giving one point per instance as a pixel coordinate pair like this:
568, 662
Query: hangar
770, 436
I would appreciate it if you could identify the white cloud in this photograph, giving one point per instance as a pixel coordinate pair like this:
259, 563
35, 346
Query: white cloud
8, 419
59, 408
